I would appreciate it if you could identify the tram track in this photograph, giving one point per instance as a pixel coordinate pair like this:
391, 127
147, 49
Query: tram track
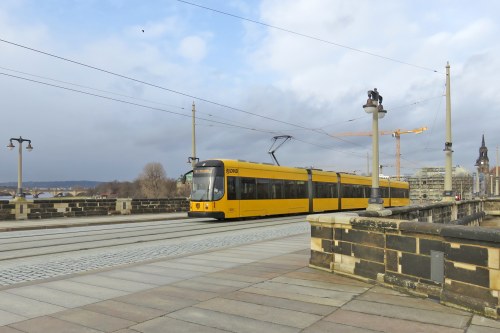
18, 246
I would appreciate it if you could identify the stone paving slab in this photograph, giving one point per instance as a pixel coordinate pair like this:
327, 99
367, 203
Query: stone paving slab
84, 289
241, 289
68, 222
93, 320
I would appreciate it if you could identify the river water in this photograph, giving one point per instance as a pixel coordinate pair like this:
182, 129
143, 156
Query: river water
30, 197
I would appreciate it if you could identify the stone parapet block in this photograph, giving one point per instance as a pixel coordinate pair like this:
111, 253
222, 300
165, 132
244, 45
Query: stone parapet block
457, 264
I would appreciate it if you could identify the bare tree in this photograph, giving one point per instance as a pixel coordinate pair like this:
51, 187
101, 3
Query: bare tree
127, 190
171, 187
184, 190
153, 180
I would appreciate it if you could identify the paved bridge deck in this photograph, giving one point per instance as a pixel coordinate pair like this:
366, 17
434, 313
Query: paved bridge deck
258, 287
69, 222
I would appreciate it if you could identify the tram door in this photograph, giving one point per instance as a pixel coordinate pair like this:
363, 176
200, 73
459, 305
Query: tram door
232, 204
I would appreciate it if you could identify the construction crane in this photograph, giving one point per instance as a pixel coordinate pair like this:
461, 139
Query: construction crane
395, 133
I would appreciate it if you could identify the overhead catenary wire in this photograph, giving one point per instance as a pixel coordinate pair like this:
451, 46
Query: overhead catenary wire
158, 109
330, 148
437, 112
353, 119
78, 85
174, 91
109, 92
201, 112
126, 102
150, 84
311, 37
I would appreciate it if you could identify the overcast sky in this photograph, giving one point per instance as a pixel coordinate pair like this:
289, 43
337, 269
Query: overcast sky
247, 66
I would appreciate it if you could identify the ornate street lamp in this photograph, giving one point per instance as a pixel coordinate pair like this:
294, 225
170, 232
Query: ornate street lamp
372, 106
20, 193
193, 159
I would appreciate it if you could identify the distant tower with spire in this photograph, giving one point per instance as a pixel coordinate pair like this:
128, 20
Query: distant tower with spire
483, 162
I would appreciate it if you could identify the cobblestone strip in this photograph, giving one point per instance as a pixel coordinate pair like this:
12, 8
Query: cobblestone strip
113, 257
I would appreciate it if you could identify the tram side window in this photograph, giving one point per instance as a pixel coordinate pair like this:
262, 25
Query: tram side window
326, 190
361, 190
354, 191
248, 188
322, 190
400, 193
347, 191
263, 188
277, 189
301, 189
368, 190
333, 190
231, 188
384, 192
290, 189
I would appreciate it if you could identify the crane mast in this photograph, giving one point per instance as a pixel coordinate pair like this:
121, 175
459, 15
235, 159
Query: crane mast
395, 133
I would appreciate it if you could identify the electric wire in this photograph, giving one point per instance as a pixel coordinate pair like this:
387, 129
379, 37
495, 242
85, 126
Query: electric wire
150, 84
109, 92
177, 113
437, 112
77, 85
122, 101
162, 110
310, 37
174, 91
353, 119
329, 148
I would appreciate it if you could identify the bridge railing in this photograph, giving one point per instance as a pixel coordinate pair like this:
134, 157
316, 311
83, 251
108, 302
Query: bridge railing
455, 264
54, 208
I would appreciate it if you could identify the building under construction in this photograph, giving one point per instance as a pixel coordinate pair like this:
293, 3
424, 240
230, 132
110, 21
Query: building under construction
427, 185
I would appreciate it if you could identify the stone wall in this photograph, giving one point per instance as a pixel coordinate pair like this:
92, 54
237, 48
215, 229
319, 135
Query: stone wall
492, 204
144, 206
54, 208
439, 212
6, 210
457, 265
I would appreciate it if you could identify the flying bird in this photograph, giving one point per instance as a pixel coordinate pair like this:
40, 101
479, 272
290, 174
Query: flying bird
142, 30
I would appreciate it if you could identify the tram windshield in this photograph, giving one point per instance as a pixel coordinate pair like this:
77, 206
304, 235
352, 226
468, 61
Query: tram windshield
206, 185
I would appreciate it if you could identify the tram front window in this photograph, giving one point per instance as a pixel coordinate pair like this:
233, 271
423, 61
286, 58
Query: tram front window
218, 188
206, 186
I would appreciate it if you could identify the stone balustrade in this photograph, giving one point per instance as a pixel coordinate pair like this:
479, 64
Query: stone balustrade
456, 263
55, 208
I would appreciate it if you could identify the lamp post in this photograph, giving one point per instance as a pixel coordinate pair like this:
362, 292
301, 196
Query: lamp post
477, 181
193, 161
491, 183
372, 106
448, 194
496, 177
20, 193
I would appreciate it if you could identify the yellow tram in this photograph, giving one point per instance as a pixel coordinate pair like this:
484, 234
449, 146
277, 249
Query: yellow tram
225, 189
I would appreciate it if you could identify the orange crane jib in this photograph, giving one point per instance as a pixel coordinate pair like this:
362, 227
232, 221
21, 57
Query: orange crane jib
395, 133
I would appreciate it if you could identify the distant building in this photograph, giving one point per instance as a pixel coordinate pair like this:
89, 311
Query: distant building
483, 162
427, 185
486, 176
189, 179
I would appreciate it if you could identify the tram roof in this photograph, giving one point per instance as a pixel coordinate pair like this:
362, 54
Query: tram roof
272, 167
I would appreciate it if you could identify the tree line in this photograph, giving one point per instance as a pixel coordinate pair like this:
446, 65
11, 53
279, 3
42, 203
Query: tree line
152, 182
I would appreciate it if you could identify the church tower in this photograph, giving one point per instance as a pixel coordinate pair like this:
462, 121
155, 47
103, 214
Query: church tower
483, 162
